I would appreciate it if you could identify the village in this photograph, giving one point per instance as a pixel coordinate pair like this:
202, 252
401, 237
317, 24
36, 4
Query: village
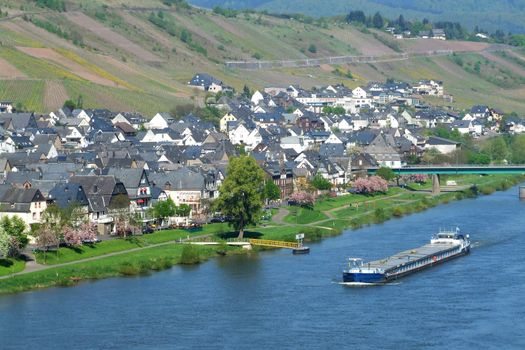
106, 162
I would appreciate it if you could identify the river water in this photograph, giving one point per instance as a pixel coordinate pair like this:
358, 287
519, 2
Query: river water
277, 300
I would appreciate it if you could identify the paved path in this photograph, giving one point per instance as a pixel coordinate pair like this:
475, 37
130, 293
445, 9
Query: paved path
279, 217
33, 266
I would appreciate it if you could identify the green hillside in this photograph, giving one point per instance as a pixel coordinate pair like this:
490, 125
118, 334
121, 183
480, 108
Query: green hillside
140, 59
506, 15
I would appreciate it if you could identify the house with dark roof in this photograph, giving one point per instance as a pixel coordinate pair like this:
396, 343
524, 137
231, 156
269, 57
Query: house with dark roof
442, 145
206, 82
107, 199
183, 186
28, 204
137, 185
69, 195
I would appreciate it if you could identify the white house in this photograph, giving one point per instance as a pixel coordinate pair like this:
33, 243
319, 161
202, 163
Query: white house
297, 143
7, 145
239, 135
76, 138
333, 139
159, 121
223, 123
359, 93
119, 118
159, 136
444, 146
253, 139
257, 97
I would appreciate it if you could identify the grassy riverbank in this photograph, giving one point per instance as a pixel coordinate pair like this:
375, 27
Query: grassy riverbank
330, 217
9, 266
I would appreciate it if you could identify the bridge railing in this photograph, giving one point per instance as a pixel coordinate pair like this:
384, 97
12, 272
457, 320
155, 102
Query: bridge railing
272, 243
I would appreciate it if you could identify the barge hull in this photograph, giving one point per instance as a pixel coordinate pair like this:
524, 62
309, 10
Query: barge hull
419, 268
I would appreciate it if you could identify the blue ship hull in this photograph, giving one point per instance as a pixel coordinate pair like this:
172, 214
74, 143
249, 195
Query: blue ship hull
363, 277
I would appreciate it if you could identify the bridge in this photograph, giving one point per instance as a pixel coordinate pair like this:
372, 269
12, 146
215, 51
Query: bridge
254, 242
272, 243
436, 170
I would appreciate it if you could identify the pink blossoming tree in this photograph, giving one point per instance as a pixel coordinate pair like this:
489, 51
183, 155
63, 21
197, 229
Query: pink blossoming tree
371, 185
303, 199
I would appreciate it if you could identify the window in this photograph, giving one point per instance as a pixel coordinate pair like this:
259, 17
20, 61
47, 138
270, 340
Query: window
34, 216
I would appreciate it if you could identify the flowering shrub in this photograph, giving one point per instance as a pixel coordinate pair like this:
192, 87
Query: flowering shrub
303, 199
370, 185
419, 178
86, 232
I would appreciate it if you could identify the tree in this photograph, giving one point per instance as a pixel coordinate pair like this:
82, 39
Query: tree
46, 237
386, 173
320, 183
86, 232
497, 149
304, 199
356, 16
377, 21
312, 48
401, 22
272, 192
339, 110
478, 158
164, 209
246, 91
15, 228
241, 194
518, 150
5, 240
370, 185
70, 104
183, 210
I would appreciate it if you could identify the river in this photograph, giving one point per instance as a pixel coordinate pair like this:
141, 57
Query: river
277, 300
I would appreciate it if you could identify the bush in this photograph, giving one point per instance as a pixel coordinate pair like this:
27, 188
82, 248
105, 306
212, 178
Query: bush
487, 190
380, 215
397, 212
128, 269
190, 255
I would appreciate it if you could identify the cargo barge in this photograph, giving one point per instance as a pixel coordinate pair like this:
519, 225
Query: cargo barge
445, 245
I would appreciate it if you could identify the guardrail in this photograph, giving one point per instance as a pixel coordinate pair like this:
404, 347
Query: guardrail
311, 62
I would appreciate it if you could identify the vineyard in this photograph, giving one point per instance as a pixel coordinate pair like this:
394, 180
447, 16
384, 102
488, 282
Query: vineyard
97, 96
28, 93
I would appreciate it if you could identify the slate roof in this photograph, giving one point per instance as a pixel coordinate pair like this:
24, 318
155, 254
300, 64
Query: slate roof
204, 80
67, 194
181, 179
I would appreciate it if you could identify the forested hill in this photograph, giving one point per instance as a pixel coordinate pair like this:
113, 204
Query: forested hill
506, 15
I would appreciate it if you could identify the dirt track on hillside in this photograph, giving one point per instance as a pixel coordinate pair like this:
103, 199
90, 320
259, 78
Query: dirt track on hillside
365, 44
73, 67
155, 34
507, 64
54, 95
111, 37
8, 71
424, 45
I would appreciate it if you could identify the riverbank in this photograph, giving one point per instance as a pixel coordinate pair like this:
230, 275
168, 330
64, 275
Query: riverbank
161, 250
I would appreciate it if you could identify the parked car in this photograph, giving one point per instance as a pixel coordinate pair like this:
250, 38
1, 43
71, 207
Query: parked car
147, 230
91, 241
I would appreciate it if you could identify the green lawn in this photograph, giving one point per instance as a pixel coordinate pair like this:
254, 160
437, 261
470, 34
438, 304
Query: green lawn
134, 263
299, 215
67, 254
332, 203
9, 266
